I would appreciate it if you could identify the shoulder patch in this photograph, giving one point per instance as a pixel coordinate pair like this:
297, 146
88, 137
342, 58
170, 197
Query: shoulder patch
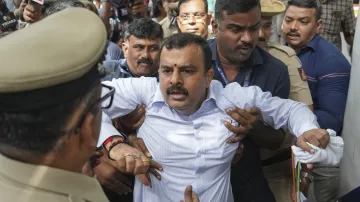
289, 51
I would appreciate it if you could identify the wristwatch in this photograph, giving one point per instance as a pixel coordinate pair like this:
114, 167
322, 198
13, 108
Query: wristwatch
307, 175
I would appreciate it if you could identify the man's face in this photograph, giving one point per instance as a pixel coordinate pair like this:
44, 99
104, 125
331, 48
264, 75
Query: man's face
300, 26
183, 80
193, 18
141, 55
237, 35
264, 31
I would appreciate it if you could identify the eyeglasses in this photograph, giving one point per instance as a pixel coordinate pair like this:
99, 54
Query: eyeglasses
194, 15
107, 96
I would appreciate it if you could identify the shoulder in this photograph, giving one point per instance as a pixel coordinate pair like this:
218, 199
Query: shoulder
282, 49
331, 58
112, 64
270, 62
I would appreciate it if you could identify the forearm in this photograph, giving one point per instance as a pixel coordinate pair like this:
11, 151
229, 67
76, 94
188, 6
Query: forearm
266, 136
349, 38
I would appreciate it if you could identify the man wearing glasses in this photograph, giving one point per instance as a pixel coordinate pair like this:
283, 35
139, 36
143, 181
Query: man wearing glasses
184, 126
194, 18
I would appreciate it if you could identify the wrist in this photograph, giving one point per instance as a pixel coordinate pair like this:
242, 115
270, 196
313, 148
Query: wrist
112, 140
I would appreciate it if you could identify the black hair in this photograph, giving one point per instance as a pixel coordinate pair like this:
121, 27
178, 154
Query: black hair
182, 40
38, 131
157, 4
315, 4
233, 6
144, 28
204, 1
53, 6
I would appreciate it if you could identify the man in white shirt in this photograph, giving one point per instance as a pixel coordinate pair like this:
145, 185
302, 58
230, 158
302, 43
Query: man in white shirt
183, 129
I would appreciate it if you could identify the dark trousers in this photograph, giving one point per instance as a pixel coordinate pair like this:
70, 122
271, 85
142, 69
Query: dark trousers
254, 190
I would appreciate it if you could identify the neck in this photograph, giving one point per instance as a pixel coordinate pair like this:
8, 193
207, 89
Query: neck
227, 64
50, 159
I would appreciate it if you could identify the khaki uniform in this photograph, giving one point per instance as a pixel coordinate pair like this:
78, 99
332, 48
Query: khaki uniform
299, 89
22, 182
167, 27
279, 175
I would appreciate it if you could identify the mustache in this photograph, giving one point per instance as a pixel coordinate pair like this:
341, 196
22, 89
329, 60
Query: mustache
262, 39
293, 33
244, 45
177, 89
147, 61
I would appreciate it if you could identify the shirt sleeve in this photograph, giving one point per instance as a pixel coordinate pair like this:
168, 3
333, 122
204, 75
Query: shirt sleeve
348, 24
279, 113
129, 93
332, 89
299, 88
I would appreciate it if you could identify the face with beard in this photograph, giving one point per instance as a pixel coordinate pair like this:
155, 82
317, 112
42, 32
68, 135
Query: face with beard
300, 26
237, 35
264, 31
141, 55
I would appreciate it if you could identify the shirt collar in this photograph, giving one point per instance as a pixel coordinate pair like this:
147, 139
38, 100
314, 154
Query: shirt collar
312, 44
254, 59
52, 179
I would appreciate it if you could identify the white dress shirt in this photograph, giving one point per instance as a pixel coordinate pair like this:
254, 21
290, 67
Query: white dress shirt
193, 149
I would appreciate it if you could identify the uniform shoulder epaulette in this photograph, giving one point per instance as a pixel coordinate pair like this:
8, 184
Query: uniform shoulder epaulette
289, 51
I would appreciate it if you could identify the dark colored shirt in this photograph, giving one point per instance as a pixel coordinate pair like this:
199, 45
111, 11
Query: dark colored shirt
328, 75
268, 73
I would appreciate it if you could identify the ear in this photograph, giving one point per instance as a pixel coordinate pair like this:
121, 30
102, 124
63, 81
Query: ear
178, 22
88, 139
209, 77
318, 26
215, 27
208, 19
125, 47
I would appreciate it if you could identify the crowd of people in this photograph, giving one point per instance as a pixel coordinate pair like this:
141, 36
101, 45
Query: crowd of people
172, 100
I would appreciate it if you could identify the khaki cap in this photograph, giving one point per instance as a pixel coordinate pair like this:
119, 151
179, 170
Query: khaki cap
59, 50
271, 7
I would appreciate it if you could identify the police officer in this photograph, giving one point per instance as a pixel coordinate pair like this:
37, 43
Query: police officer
277, 167
48, 132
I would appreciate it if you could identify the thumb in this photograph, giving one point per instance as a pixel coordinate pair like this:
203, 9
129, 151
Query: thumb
303, 145
188, 194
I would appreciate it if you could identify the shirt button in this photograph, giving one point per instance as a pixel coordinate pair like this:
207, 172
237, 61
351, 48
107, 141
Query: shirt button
198, 177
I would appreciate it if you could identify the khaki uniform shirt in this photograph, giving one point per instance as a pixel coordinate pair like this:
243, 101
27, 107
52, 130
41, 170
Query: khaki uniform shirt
167, 27
299, 89
22, 182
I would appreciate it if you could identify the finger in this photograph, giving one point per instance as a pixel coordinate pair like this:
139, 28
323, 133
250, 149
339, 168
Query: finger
195, 198
243, 113
313, 140
122, 178
253, 110
303, 145
140, 168
236, 116
140, 142
156, 165
155, 173
237, 138
139, 123
121, 187
121, 164
145, 180
95, 162
310, 166
130, 164
188, 194
324, 138
235, 129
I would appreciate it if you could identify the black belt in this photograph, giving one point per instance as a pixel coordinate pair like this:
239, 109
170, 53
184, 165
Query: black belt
280, 157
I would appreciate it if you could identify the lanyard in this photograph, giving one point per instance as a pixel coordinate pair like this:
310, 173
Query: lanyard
222, 74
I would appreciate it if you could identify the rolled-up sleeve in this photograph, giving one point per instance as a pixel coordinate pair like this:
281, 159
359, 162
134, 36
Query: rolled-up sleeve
279, 113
